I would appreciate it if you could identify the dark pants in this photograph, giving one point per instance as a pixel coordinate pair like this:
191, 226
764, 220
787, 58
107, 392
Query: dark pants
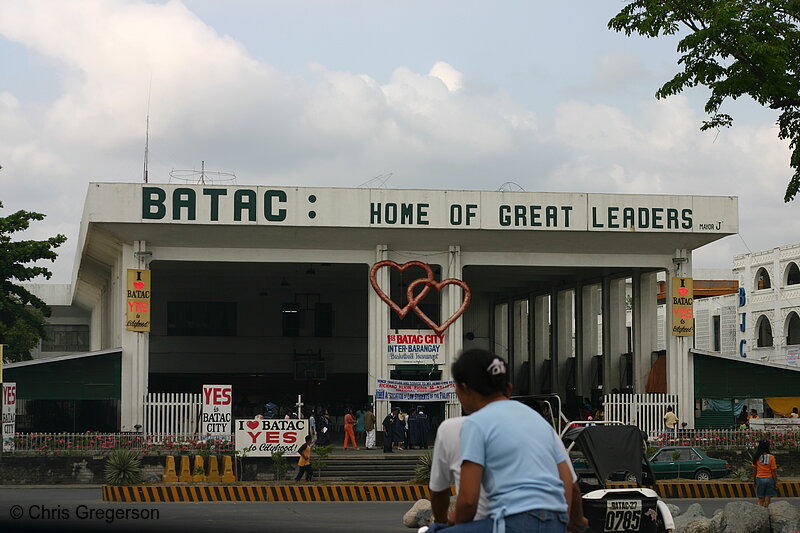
309, 472
387, 441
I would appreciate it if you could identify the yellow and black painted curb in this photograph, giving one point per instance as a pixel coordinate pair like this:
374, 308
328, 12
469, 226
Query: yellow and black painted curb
265, 493
713, 489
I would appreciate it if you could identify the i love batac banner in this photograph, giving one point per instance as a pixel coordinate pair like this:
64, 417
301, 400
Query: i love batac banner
261, 437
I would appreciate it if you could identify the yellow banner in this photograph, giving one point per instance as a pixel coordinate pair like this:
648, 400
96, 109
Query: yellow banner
682, 307
138, 304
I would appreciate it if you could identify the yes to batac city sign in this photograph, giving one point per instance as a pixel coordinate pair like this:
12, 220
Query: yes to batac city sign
137, 309
682, 307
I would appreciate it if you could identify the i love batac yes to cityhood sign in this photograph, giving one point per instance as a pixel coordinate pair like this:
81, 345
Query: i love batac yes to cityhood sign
263, 437
137, 309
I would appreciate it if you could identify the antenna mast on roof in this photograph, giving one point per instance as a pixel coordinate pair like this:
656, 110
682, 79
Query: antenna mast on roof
202, 176
146, 145
147, 129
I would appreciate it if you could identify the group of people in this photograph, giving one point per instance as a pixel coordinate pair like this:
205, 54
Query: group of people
405, 430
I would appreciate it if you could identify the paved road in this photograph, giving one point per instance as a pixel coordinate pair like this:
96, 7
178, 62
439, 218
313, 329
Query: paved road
68, 510
81, 509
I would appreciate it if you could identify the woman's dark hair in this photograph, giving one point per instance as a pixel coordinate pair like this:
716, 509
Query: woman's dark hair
763, 447
481, 371
794, 409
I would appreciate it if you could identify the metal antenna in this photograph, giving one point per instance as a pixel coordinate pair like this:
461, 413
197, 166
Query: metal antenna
147, 129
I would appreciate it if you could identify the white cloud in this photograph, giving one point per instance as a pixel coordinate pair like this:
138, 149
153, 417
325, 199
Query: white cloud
212, 101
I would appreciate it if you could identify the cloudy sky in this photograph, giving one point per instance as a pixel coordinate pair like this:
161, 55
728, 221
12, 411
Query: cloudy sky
451, 94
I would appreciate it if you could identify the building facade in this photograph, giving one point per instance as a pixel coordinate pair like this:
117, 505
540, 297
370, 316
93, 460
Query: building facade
267, 288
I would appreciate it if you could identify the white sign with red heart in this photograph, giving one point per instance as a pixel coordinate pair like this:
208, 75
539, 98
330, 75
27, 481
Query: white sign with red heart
261, 437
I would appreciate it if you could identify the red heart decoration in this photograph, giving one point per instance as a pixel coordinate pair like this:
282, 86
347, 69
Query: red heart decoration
683, 291
439, 329
138, 285
253, 424
382, 295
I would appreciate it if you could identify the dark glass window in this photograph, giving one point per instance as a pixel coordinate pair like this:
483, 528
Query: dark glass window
201, 319
290, 318
66, 338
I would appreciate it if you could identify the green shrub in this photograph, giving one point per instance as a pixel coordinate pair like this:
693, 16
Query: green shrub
422, 470
123, 467
279, 465
318, 456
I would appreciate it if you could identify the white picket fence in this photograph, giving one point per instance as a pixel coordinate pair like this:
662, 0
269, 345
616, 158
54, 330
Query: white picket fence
643, 410
171, 413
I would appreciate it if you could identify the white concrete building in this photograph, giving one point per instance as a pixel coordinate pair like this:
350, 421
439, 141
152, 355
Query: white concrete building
762, 322
267, 287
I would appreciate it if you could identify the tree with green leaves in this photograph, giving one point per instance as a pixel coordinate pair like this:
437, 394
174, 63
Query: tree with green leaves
734, 48
22, 314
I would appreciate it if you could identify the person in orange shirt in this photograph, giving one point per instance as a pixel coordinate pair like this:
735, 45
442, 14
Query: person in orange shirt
765, 474
349, 429
304, 462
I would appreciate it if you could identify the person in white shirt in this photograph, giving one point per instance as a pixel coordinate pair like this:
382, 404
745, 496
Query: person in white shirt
446, 472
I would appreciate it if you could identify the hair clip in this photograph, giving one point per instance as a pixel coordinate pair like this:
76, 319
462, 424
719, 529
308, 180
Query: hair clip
497, 367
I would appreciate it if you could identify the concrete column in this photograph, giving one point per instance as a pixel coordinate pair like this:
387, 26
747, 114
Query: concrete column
579, 347
590, 308
645, 322
680, 367
778, 329
454, 336
541, 340
614, 332
378, 327
135, 345
555, 357
565, 316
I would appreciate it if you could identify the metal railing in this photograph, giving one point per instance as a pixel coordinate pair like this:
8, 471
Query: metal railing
726, 439
82, 443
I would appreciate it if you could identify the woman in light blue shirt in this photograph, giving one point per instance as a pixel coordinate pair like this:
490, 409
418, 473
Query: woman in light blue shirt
509, 448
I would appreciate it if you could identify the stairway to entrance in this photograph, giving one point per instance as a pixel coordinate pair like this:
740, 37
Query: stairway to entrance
371, 466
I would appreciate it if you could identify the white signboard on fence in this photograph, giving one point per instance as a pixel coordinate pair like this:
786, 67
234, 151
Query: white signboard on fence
9, 415
414, 346
215, 419
415, 391
261, 437
792, 355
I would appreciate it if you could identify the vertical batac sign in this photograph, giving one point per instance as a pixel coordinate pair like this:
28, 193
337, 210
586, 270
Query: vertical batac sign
216, 417
682, 307
9, 415
138, 304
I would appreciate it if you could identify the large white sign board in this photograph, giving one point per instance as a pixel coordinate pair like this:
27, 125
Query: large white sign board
215, 420
419, 209
9, 415
261, 437
408, 346
415, 391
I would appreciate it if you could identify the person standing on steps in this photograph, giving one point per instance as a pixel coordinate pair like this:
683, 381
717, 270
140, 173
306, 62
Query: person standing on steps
369, 428
388, 430
324, 429
360, 425
349, 429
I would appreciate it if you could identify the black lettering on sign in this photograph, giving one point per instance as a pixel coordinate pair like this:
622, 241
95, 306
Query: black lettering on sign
183, 198
153, 197
244, 199
686, 216
214, 195
505, 215
613, 213
269, 210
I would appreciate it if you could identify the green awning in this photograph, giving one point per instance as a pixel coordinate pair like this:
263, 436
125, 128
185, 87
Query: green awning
722, 377
86, 376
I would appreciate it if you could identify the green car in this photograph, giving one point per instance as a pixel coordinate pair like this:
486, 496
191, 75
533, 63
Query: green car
687, 462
